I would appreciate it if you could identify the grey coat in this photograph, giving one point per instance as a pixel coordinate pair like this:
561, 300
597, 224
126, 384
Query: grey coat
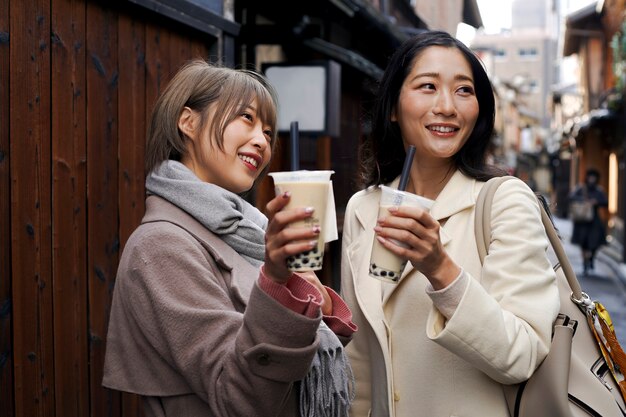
192, 332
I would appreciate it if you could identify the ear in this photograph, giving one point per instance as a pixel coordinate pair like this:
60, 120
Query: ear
187, 122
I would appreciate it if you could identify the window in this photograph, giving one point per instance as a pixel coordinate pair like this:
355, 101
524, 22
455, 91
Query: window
499, 53
530, 52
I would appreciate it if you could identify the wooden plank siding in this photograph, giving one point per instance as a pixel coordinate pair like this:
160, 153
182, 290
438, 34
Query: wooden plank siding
78, 79
31, 249
69, 213
6, 355
102, 178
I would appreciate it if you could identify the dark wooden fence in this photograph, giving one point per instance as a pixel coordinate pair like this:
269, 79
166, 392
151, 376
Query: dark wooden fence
77, 81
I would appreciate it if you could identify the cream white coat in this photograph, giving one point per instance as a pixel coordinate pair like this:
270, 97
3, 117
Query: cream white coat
407, 359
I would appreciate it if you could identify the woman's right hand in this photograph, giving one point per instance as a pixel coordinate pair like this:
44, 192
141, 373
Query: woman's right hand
281, 241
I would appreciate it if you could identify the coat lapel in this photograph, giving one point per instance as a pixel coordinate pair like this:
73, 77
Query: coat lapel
241, 274
368, 289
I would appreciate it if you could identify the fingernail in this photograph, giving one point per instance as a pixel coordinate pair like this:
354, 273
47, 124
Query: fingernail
316, 230
309, 210
392, 209
286, 194
378, 229
313, 243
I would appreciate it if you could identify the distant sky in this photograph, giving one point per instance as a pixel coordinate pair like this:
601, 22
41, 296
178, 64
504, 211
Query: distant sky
496, 15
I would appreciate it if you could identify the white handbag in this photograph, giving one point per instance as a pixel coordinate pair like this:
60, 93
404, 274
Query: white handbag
583, 374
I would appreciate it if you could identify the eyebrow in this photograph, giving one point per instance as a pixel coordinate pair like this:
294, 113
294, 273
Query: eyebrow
458, 77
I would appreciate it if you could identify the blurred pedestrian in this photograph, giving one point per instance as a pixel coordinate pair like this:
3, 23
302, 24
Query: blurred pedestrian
589, 232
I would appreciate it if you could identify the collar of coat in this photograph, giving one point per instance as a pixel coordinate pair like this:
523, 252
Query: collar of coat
159, 209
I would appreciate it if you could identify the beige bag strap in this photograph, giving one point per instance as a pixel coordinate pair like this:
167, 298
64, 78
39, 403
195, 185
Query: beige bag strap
482, 230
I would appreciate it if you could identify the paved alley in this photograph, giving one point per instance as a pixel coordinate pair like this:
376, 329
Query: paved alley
607, 283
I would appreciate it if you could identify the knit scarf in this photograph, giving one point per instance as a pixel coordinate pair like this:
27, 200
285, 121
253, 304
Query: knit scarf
328, 388
238, 223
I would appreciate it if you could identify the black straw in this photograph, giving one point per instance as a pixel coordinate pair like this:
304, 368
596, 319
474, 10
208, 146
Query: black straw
404, 178
295, 146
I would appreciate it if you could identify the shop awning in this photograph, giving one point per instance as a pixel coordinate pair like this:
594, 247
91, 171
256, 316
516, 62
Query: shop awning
198, 15
583, 23
345, 56
603, 124
600, 118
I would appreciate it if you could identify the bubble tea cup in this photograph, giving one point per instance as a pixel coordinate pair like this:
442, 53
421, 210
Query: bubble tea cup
308, 189
384, 264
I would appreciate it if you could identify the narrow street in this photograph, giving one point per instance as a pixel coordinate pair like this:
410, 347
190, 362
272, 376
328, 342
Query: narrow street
606, 283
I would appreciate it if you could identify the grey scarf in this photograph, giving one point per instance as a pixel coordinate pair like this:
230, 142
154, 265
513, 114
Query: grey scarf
238, 223
328, 388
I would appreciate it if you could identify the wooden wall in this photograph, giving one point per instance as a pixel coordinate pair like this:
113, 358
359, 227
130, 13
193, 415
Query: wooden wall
77, 82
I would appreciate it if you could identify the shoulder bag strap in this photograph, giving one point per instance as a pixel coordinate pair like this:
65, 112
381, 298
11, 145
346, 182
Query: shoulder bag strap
482, 230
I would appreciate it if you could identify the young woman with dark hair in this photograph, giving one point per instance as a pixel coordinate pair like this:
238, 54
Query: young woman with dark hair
443, 340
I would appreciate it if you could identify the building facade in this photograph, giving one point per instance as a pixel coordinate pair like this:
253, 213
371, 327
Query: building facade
522, 65
596, 138
78, 80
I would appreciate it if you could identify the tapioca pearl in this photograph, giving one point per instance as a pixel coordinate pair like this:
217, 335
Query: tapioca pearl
305, 261
384, 273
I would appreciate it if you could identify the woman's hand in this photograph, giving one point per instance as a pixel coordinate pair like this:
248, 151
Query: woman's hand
327, 303
415, 228
281, 241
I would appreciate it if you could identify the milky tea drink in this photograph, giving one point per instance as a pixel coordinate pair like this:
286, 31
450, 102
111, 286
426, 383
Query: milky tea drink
308, 189
384, 264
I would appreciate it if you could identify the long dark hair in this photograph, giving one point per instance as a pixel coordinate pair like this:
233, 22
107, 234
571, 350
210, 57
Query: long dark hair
383, 152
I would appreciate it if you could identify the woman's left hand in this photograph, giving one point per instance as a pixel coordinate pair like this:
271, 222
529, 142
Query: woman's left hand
416, 229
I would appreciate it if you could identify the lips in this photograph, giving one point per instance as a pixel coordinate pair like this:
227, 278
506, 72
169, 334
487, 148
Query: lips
442, 129
252, 160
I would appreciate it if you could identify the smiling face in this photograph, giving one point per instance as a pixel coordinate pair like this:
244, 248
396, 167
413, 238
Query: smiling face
246, 149
437, 107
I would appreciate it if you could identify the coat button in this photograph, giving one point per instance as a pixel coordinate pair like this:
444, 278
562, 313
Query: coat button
396, 397
263, 359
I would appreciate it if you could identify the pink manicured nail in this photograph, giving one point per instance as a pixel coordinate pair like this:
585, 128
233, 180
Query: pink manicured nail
309, 210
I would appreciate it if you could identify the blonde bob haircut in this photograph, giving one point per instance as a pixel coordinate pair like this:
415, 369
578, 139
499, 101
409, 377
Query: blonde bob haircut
199, 85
